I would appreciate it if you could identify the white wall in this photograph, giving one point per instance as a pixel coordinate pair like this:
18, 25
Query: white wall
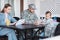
51, 5
37, 11
17, 8
45, 5
57, 5
2, 4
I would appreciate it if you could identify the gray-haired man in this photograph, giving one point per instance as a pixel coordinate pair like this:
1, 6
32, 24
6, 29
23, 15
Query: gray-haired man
29, 14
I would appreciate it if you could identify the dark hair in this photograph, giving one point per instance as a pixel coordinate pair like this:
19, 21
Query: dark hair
5, 6
47, 12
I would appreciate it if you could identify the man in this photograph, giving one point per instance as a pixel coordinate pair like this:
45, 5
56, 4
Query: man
29, 14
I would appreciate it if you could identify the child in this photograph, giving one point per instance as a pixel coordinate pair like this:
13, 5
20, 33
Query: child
50, 25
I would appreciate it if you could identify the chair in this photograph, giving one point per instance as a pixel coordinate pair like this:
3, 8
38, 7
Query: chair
17, 18
3, 37
57, 31
58, 19
17, 32
37, 37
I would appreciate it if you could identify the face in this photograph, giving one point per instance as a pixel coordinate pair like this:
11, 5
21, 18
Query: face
8, 9
32, 10
48, 15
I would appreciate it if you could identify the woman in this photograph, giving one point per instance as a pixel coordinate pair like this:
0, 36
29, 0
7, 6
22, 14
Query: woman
6, 19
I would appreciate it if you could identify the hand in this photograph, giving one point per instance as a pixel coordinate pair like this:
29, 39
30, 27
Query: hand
24, 22
13, 23
36, 22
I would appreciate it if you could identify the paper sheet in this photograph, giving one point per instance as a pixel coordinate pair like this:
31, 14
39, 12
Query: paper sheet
21, 21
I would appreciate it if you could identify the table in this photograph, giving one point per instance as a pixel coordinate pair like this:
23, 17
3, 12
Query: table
24, 27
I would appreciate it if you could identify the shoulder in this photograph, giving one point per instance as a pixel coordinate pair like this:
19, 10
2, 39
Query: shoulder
9, 16
34, 14
1, 14
25, 11
50, 20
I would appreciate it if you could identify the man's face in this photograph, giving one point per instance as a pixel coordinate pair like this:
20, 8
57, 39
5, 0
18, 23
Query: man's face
32, 10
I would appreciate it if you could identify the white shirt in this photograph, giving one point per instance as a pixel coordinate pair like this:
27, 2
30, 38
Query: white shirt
6, 16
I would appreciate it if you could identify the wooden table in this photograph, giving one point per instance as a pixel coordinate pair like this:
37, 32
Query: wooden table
24, 27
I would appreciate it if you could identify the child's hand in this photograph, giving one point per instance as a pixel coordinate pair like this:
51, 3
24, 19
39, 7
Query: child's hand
37, 22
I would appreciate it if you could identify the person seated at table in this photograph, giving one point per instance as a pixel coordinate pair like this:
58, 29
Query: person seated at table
50, 25
6, 19
29, 14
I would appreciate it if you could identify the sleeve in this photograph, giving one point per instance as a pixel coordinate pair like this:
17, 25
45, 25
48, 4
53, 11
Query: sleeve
23, 15
12, 19
30, 21
47, 21
36, 18
53, 23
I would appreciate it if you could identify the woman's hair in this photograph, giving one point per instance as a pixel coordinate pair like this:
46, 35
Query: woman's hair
5, 6
47, 12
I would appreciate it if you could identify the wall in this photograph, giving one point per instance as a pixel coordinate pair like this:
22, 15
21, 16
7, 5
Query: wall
57, 5
45, 5
37, 11
2, 4
17, 8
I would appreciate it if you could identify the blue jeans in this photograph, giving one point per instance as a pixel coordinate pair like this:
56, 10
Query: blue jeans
42, 34
8, 32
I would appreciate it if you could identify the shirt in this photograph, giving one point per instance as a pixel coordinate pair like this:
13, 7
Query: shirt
50, 27
2, 19
29, 17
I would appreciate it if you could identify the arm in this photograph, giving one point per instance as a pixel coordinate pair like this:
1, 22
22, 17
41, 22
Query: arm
13, 21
